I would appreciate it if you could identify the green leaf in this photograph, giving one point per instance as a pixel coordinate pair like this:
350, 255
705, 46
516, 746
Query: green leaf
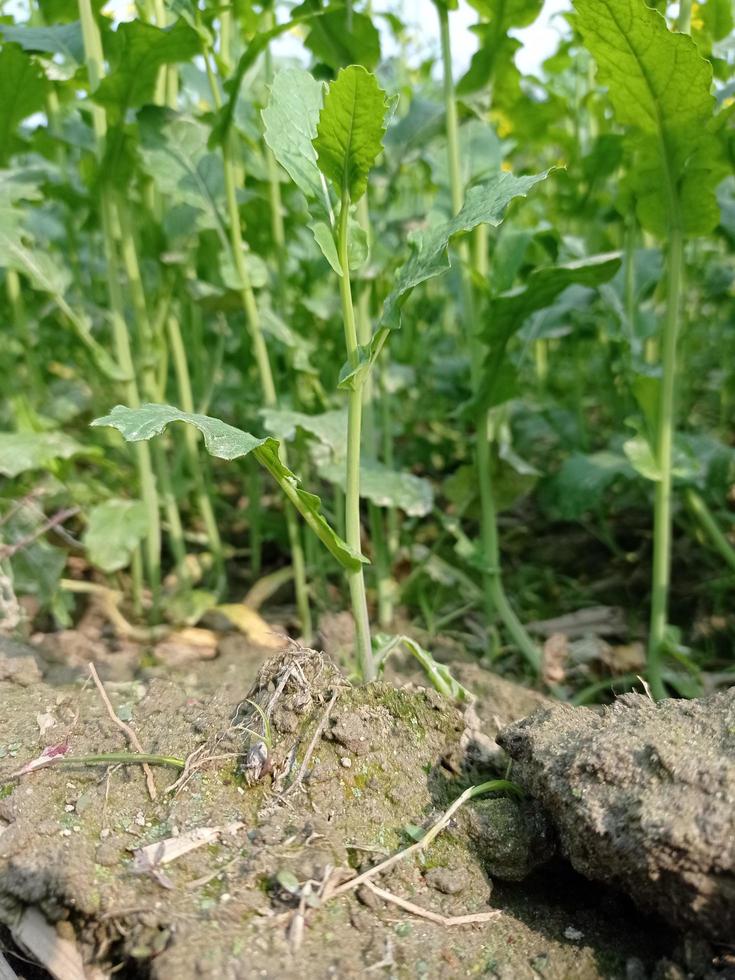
247, 59
350, 130
330, 428
290, 120
508, 312
174, 152
659, 85
484, 204
64, 40
582, 481
340, 38
385, 487
226, 442
357, 245
114, 530
496, 47
23, 89
23, 451
139, 51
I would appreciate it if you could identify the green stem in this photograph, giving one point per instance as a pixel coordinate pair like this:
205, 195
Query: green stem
196, 466
257, 338
95, 70
496, 602
664, 452
133, 758
382, 555
354, 424
684, 20
698, 506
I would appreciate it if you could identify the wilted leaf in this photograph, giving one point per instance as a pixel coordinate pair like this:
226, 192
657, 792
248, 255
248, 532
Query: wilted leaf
114, 530
252, 625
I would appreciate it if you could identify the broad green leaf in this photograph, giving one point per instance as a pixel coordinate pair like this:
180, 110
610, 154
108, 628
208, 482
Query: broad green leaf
226, 442
64, 40
357, 245
508, 312
45, 271
659, 85
114, 530
484, 204
386, 488
340, 38
23, 451
248, 58
174, 152
582, 481
138, 52
23, 90
290, 120
330, 428
350, 130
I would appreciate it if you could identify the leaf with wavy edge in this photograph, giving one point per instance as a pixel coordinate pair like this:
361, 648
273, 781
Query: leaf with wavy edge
226, 442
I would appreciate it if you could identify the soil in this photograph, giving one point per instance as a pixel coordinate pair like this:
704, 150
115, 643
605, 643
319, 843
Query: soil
388, 761
642, 795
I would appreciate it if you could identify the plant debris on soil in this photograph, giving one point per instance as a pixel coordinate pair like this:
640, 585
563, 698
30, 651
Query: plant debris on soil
228, 872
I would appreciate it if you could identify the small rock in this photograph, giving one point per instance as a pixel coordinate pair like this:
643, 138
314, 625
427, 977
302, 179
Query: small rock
446, 880
22, 671
108, 854
512, 836
345, 762
367, 897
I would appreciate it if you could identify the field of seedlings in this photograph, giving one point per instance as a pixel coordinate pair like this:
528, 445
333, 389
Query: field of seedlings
367, 489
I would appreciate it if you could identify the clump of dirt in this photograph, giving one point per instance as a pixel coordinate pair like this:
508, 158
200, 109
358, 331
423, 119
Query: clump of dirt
300, 784
643, 797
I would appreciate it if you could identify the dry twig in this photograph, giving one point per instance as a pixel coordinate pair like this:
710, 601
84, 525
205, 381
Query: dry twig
126, 729
442, 920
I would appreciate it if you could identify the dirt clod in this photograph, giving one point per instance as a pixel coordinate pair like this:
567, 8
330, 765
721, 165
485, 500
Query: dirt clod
643, 797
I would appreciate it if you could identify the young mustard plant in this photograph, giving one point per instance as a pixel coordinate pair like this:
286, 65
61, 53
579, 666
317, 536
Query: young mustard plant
660, 87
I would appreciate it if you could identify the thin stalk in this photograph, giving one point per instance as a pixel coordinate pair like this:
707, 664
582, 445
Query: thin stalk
496, 602
356, 579
684, 20
196, 465
95, 70
262, 360
698, 506
21, 321
664, 451
382, 556
150, 382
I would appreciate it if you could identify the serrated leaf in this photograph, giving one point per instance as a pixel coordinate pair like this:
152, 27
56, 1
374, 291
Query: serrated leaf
484, 204
23, 451
508, 312
290, 120
350, 130
114, 530
23, 90
226, 442
659, 85
138, 52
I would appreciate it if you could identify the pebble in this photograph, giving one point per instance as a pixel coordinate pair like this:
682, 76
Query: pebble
446, 880
345, 762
